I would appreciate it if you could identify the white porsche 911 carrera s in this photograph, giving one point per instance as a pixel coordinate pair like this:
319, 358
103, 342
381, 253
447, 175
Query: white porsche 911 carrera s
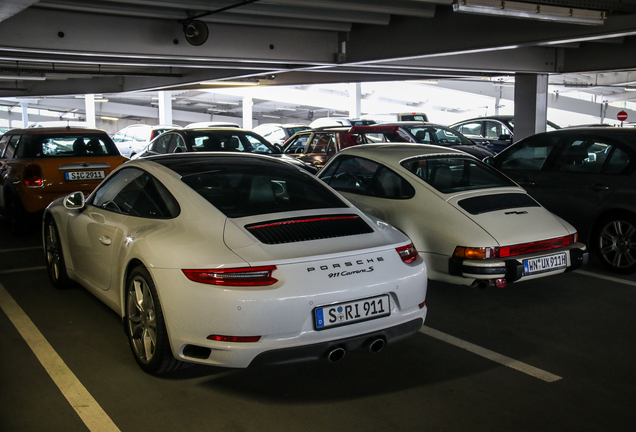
235, 259
471, 224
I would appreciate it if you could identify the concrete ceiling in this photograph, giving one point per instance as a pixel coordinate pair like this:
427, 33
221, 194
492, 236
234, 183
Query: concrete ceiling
66, 47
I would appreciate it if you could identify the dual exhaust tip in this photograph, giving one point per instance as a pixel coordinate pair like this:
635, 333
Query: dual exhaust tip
373, 345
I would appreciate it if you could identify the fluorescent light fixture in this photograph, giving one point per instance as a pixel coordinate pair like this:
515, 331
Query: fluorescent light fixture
514, 9
630, 89
109, 118
269, 116
22, 77
230, 83
100, 100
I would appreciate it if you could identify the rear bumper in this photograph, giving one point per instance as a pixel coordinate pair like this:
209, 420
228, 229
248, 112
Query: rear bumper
513, 269
320, 350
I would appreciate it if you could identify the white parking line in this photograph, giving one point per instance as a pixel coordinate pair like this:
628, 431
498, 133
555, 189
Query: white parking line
491, 355
609, 278
20, 249
93, 416
25, 269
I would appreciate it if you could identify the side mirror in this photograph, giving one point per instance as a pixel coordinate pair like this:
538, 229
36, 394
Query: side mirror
505, 137
74, 201
489, 160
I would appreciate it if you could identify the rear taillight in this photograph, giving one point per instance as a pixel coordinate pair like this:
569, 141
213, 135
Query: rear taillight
514, 250
408, 253
32, 176
245, 276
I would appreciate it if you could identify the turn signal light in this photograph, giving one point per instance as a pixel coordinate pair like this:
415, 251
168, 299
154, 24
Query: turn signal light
408, 253
32, 175
475, 253
245, 276
221, 338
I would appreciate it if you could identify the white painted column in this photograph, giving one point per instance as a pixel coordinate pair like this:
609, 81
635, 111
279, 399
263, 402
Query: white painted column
247, 112
165, 107
89, 103
531, 104
25, 113
355, 97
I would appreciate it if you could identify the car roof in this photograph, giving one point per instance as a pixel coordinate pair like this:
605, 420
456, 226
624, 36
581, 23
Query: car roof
54, 130
610, 131
396, 152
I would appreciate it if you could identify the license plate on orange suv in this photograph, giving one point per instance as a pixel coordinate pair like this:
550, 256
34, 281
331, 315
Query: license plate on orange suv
84, 175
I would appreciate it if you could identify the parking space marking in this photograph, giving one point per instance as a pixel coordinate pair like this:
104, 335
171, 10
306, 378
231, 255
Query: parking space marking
491, 355
21, 249
609, 278
22, 269
93, 416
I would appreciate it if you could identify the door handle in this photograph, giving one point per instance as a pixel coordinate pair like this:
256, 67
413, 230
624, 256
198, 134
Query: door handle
598, 187
105, 240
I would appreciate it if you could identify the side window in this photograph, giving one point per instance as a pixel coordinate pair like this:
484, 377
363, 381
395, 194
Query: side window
161, 144
119, 136
530, 155
3, 144
319, 144
136, 193
618, 161
584, 155
298, 145
9, 151
493, 130
390, 185
471, 130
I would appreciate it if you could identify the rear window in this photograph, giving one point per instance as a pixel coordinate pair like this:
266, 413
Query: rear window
240, 191
69, 145
456, 174
230, 141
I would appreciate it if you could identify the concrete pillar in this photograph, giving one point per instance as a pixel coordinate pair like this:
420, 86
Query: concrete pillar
531, 104
89, 103
25, 113
165, 107
247, 112
355, 97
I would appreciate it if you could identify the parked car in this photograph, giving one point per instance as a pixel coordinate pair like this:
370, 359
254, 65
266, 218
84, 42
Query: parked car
494, 132
317, 146
215, 140
470, 223
421, 133
339, 121
279, 133
134, 138
586, 176
235, 260
397, 117
39, 164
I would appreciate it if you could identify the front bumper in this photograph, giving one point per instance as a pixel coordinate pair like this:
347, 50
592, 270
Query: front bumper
513, 269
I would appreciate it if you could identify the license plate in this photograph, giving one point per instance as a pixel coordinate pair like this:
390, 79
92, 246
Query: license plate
546, 263
84, 175
351, 312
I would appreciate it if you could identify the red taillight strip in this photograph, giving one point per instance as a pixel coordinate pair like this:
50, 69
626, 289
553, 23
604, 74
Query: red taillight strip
244, 276
408, 253
33, 175
222, 338
302, 221
524, 248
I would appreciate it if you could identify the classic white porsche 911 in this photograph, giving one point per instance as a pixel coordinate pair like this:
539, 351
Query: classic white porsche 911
232, 260
470, 223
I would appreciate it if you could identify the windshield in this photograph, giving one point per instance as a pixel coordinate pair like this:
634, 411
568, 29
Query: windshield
431, 134
456, 174
235, 141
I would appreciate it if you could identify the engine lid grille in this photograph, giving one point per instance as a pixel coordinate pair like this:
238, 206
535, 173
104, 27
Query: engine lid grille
308, 228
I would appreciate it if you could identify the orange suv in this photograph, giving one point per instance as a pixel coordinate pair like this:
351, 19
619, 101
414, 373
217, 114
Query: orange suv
38, 165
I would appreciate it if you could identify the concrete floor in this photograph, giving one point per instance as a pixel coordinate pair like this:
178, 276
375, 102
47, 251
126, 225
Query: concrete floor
578, 327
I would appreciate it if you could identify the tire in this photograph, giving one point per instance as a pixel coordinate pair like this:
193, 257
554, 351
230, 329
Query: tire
615, 242
145, 326
55, 264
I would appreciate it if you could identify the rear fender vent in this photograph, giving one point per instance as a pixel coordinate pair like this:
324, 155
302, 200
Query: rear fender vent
308, 228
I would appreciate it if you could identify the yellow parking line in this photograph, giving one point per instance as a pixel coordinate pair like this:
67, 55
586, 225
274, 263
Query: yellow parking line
609, 278
20, 249
22, 269
93, 416
491, 355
